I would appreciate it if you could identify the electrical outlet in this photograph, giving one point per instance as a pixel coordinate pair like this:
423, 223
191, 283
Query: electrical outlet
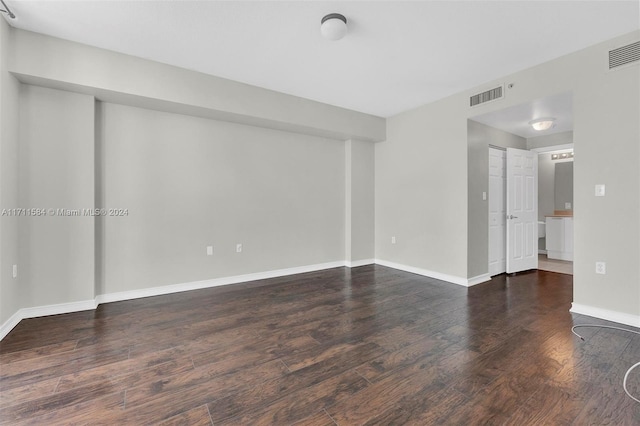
238, 248
484, 196
393, 240
567, 206
600, 190
15, 271
209, 250
601, 268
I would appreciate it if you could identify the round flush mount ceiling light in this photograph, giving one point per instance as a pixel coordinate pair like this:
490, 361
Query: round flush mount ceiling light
333, 26
542, 123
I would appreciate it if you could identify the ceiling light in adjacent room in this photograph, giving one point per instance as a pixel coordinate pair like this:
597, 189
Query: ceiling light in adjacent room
562, 155
7, 10
542, 123
333, 26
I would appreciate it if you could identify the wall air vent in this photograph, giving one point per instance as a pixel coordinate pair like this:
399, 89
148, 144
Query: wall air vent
487, 96
624, 55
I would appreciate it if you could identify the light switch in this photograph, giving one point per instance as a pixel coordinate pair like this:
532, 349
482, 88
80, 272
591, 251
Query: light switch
209, 250
567, 206
599, 190
484, 196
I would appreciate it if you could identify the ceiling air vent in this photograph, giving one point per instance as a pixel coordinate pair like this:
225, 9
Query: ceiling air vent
489, 95
624, 55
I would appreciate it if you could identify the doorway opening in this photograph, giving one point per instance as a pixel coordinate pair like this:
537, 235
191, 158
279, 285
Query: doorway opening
555, 205
548, 235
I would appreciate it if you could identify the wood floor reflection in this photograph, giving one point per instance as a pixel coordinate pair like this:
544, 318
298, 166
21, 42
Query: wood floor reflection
369, 345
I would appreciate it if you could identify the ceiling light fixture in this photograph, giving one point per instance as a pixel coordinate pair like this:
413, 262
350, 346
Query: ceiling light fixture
562, 156
333, 26
542, 123
7, 10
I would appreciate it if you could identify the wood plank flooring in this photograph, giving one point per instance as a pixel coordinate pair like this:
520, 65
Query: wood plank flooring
362, 346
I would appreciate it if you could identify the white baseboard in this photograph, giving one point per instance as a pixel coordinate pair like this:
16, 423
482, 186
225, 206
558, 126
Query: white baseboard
10, 323
478, 279
356, 263
432, 274
216, 282
541, 251
42, 311
61, 308
605, 314
84, 305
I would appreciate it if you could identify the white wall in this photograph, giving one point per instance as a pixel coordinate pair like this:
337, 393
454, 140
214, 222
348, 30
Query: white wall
115, 77
189, 182
606, 134
421, 195
555, 139
205, 161
422, 186
56, 172
360, 202
9, 88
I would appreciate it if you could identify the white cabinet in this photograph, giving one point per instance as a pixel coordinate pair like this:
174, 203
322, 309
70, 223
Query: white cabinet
559, 238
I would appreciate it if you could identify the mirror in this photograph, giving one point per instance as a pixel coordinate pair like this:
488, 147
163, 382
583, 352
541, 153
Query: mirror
563, 187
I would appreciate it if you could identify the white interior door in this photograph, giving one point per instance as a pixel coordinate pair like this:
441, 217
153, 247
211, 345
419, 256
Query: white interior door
522, 210
497, 211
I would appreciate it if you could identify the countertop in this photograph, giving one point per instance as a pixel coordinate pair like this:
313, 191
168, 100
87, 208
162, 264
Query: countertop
560, 213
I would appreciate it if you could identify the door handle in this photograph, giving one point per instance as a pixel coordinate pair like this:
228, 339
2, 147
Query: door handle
512, 217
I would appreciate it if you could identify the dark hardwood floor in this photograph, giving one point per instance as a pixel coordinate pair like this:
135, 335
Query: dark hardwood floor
369, 345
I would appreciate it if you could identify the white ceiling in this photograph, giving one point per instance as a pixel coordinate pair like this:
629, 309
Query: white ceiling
516, 119
396, 56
